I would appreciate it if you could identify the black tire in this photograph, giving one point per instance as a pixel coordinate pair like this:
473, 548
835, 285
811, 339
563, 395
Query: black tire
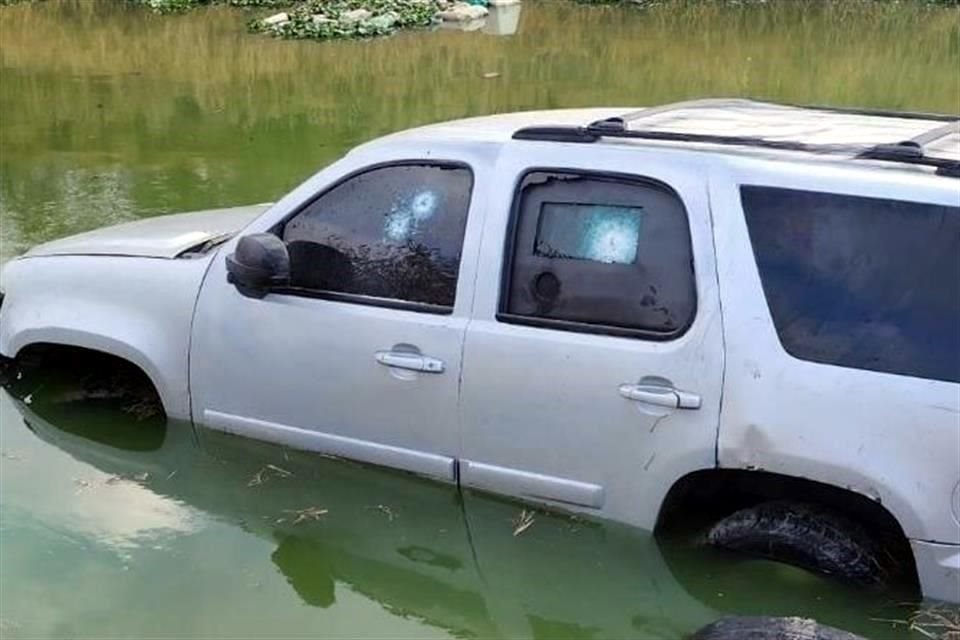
806, 536
766, 628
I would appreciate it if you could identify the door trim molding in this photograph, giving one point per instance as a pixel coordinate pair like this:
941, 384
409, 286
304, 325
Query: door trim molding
514, 482
426, 464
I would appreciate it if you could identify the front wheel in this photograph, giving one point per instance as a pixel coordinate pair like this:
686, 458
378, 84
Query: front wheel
803, 535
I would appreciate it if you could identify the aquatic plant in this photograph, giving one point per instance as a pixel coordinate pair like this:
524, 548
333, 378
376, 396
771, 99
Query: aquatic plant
179, 6
326, 19
318, 19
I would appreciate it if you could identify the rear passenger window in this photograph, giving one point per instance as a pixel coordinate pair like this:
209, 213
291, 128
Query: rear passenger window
860, 282
599, 254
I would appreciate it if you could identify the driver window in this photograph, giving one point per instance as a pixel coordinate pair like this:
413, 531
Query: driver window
394, 233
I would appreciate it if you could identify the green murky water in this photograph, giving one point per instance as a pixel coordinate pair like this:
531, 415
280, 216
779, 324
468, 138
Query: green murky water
114, 528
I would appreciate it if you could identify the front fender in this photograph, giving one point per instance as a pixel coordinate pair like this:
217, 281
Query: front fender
138, 309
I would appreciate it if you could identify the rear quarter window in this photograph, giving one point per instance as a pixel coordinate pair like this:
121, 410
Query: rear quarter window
859, 282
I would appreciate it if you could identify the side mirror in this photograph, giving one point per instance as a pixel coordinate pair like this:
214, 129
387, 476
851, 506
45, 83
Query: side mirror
259, 262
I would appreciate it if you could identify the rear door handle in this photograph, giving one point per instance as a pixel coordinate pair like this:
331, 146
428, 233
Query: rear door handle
660, 395
411, 361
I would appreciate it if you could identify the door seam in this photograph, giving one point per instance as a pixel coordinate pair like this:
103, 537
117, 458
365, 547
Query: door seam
723, 329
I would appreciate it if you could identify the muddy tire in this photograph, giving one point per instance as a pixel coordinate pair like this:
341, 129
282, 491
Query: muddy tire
766, 628
803, 535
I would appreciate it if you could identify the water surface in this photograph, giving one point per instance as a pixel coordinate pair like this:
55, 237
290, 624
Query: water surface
114, 527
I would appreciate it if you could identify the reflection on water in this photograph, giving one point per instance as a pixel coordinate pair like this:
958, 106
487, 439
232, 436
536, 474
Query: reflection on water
188, 535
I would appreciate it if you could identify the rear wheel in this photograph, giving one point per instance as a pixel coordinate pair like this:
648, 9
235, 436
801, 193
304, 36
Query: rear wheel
804, 535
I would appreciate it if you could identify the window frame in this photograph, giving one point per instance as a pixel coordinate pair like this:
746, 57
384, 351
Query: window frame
376, 301
510, 244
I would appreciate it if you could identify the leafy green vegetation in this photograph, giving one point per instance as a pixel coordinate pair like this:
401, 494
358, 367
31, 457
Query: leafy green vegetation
178, 6
325, 19
319, 19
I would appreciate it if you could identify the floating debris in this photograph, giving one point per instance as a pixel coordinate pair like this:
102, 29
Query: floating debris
135, 477
523, 522
171, 474
384, 509
574, 523
10, 456
463, 12
490, 75
279, 471
309, 513
266, 472
81, 484
277, 18
258, 478
144, 408
935, 622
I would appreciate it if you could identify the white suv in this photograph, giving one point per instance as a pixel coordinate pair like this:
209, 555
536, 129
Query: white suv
746, 311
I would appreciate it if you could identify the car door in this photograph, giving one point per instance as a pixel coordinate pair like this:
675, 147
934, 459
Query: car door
360, 355
592, 369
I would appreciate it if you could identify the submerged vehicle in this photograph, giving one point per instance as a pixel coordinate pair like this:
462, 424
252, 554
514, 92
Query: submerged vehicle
740, 310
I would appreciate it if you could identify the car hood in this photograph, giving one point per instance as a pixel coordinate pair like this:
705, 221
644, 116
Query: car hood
159, 237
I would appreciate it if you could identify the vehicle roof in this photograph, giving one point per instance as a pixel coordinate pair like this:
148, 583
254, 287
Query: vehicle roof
840, 134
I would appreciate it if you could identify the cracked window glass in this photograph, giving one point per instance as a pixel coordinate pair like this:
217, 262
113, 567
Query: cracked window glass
600, 233
394, 233
600, 254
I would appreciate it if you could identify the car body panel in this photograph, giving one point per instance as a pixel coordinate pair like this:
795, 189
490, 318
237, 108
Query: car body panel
938, 566
542, 415
143, 317
892, 438
297, 366
157, 237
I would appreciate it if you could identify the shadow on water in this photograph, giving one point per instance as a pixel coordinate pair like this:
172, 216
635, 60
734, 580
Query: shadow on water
160, 513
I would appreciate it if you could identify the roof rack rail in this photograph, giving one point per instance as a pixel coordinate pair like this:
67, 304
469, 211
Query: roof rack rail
744, 102
907, 151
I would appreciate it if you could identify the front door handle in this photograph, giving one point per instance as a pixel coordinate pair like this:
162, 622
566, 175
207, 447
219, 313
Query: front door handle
660, 395
411, 361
